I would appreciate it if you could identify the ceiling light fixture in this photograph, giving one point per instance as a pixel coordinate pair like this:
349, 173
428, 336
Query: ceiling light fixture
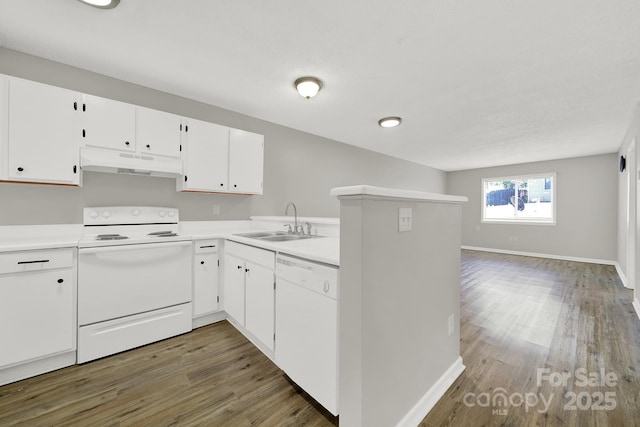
308, 87
389, 122
102, 4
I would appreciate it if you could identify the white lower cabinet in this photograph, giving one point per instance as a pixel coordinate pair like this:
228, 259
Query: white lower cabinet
234, 286
37, 311
249, 278
206, 267
259, 303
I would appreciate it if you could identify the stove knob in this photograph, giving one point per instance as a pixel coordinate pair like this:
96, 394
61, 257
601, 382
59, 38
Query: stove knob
162, 214
172, 214
136, 212
106, 214
93, 214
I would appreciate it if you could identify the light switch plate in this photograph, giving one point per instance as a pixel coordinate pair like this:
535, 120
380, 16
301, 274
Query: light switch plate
404, 219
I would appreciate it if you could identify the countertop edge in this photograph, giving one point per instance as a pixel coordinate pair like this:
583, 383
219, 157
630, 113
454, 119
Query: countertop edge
369, 190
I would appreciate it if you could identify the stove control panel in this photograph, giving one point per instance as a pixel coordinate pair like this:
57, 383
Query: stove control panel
112, 215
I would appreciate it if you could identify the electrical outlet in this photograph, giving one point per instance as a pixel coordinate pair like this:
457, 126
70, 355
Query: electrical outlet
216, 209
452, 325
404, 219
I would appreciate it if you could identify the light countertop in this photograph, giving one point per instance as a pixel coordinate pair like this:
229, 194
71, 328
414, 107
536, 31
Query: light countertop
34, 237
321, 249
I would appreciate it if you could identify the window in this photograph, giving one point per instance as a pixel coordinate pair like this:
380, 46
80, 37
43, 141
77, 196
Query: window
522, 199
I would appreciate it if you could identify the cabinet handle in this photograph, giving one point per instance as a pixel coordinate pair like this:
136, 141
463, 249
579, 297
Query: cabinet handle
60, 280
84, 133
246, 270
84, 107
20, 169
33, 262
201, 262
235, 185
185, 178
239, 267
75, 105
186, 128
148, 146
221, 184
75, 168
126, 143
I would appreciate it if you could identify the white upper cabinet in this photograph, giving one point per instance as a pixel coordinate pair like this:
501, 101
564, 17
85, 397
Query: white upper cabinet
106, 123
246, 154
157, 132
205, 157
38, 140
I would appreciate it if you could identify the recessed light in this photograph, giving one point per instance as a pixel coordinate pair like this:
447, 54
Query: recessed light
102, 4
308, 87
389, 122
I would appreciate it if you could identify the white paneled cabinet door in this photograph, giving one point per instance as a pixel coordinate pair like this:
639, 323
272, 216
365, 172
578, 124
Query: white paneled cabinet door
205, 277
36, 315
260, 300
157, 132
234, 287
246, 155
41, 147
106, 123
205, 156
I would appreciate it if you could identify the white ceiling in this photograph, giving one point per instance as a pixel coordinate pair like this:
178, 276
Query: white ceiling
477, 83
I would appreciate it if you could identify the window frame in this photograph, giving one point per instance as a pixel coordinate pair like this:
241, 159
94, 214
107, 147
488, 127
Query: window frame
523, 221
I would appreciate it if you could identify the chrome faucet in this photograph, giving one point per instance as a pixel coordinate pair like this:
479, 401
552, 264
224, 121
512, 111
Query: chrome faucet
295, 213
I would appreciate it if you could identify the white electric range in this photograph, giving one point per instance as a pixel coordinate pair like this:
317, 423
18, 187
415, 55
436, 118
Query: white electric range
134, 279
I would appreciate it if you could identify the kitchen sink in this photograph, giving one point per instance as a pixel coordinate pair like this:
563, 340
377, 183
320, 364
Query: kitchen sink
276, 236
262, 234
287, 237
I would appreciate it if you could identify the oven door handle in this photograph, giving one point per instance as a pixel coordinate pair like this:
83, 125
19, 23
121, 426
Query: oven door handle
133, 247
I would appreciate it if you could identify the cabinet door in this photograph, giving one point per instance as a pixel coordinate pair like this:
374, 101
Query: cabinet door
41, 143
157, 132
205, 284
260, 301
205, 157
234, 287
246, 154
36, 315
107, 123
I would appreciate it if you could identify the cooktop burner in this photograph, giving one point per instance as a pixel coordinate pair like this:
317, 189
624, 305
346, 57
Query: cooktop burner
130, 225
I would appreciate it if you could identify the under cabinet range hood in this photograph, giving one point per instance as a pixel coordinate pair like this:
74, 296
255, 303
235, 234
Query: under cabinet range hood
101, 160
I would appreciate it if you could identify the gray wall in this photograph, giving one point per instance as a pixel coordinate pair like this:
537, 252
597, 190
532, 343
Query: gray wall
402, 288
586, 209
627, 198
299, 167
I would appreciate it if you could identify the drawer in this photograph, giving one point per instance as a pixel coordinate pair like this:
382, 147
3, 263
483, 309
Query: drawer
250, 253
206, 246
49, 259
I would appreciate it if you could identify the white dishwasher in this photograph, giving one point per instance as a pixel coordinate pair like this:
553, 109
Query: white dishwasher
307, 327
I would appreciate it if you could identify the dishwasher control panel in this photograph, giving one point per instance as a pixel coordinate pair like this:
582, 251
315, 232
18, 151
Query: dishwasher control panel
319, 278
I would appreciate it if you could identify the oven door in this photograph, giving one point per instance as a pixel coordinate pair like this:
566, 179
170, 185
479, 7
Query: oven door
121, 280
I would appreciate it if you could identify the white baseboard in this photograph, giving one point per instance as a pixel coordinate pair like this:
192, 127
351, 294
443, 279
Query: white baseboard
431, 397
623, 277
537, 255
636, 305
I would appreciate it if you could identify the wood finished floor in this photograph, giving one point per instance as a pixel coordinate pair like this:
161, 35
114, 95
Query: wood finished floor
518, 314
